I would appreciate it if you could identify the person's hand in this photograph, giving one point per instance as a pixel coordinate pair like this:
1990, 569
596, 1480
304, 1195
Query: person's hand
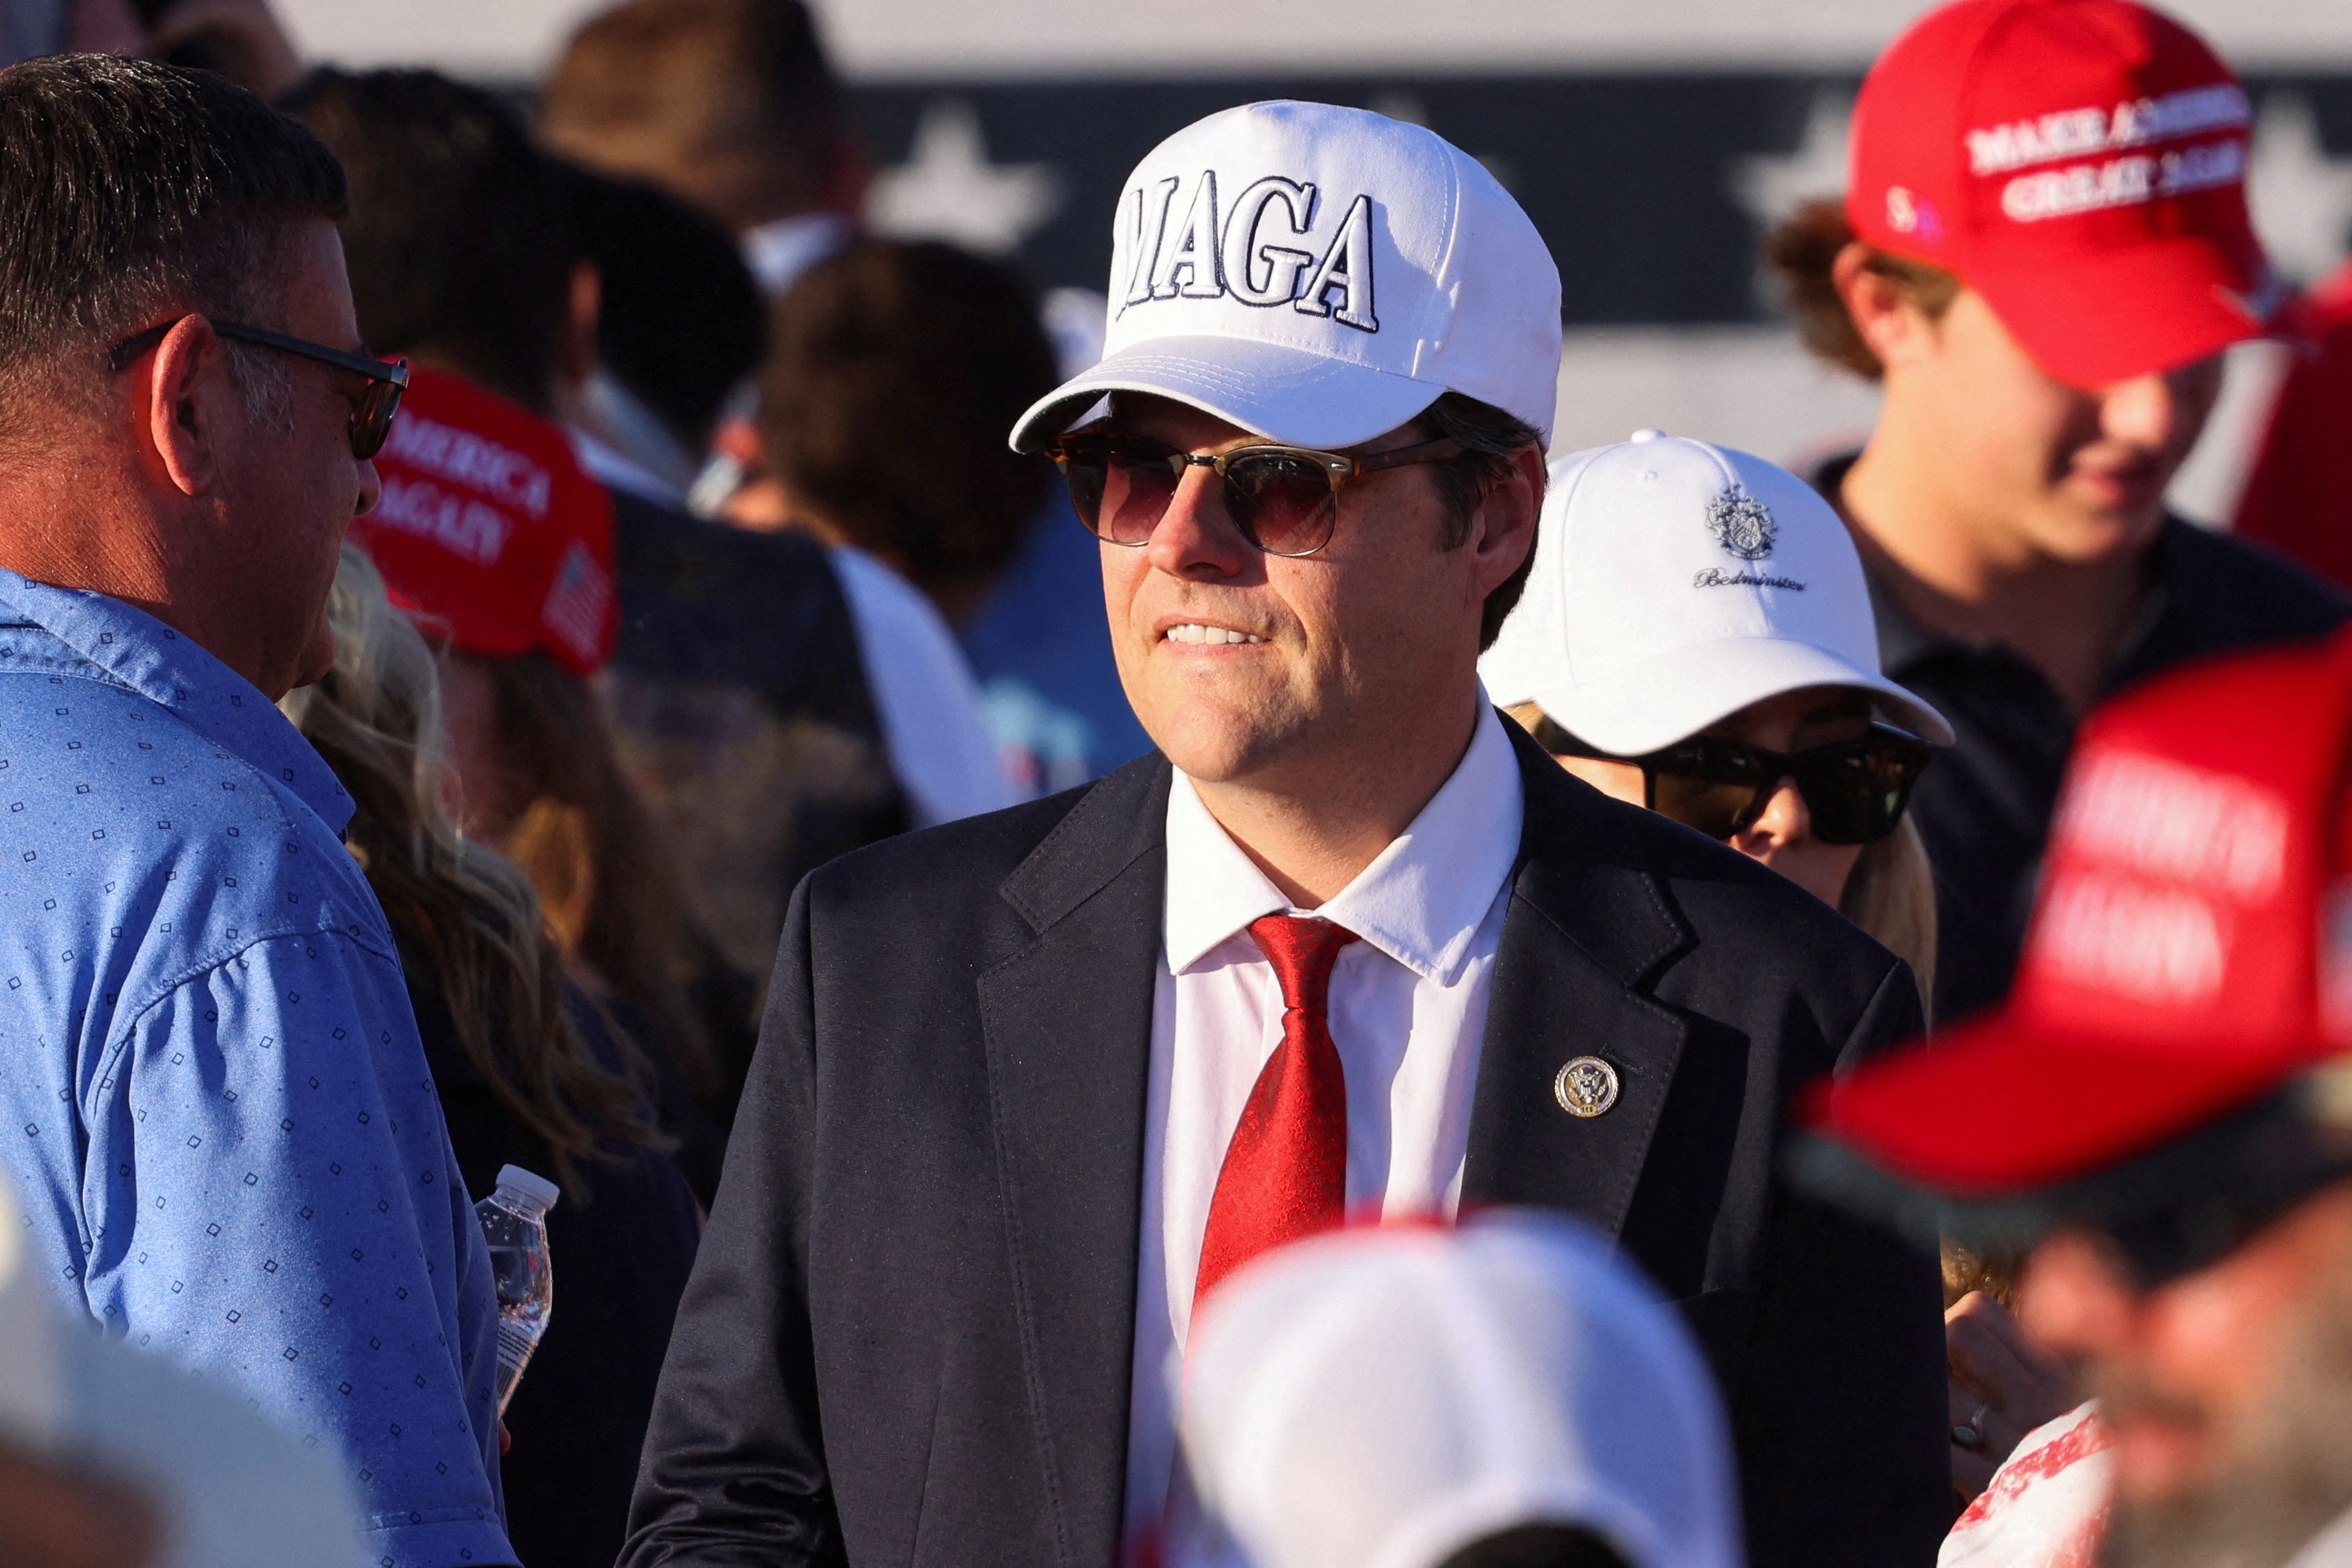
2003, 1385
506, 1439
240, 39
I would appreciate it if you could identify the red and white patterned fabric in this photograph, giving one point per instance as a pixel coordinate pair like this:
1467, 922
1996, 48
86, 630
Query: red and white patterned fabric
2047, 1506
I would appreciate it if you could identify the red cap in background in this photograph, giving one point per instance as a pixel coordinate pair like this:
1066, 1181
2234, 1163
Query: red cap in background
2081, 163
2191, 950
489, 529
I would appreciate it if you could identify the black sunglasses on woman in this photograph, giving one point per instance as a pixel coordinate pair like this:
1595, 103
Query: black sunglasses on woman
1855, 791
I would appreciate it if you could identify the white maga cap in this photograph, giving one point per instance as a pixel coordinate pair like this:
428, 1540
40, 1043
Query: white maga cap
33, 1393
1676, 583
1382, 1398
1318, 276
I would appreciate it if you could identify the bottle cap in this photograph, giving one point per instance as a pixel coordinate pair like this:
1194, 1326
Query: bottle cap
535, 1190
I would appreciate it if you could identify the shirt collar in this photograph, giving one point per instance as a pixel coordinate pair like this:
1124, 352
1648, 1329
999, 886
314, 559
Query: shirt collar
1421, 901
615, 471
778, 252
141, 652
614, 420
2331, 1548
1902, 639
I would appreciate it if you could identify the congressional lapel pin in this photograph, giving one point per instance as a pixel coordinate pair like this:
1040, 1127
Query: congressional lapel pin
1586, 1087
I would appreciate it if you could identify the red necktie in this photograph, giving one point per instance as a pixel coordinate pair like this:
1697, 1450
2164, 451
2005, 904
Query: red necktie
1286, 1171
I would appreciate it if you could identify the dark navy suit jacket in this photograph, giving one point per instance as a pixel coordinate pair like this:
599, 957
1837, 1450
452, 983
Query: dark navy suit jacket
908, 1336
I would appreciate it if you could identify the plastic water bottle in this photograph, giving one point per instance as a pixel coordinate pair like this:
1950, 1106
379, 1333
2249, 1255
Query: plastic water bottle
514, 1223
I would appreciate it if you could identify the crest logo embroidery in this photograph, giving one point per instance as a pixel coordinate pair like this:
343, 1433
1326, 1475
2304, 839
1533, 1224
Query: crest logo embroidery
1741, 524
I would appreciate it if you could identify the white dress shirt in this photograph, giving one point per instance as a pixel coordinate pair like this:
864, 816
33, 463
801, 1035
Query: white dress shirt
1408, 1005
617, 470
2331, 1548
778, 252
924, 694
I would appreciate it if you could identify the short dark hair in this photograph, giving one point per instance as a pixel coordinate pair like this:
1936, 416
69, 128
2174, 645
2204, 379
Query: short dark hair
679, 320
1491, 438
458, 239
131, 189
1539, 1546
730, 103
1802, 252
894, 371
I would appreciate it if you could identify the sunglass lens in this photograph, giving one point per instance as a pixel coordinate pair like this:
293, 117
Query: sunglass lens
1856, 794
2159, 1245
1084, 472
1716, 800
1283, 503
1119, 493
371, 420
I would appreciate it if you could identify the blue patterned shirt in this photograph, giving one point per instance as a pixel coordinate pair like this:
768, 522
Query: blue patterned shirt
213, 1098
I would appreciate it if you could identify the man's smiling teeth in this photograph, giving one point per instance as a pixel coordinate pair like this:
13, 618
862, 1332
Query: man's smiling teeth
1192, 632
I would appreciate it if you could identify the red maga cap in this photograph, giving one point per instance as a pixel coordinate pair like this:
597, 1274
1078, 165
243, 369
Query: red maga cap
489, 529
2081, 165
2185, 956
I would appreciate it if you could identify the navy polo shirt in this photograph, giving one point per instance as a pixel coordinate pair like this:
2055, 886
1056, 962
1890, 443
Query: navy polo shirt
1984, 805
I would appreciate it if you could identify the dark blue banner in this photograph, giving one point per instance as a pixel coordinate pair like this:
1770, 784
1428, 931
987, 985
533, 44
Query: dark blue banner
1651, 189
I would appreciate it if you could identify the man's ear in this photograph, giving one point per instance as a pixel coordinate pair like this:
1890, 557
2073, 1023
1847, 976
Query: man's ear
1890, 322
1503, 529
848, 175
584, 310
190, 404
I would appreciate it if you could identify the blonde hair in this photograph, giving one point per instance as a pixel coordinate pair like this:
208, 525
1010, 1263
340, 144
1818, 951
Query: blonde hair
1891, 894
469, 916
600, 865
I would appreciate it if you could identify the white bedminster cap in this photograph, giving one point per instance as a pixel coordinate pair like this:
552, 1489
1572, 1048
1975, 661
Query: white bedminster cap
1382, 1398
1675, 583
1318, 276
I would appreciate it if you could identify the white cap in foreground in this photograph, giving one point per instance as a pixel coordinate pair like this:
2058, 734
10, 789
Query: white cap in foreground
1382, 1398
235, 1489
1676, 583
1318, 276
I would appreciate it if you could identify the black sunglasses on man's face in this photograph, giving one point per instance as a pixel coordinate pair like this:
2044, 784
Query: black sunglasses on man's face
371, 416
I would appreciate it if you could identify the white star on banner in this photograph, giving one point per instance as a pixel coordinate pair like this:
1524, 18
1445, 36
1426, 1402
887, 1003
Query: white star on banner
2302, 198
947, 189
1772, 185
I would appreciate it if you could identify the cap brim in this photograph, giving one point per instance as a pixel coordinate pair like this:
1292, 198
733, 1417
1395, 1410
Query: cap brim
1272, 389
2001, 1108
1659, 701
2220, 1176
2097, 320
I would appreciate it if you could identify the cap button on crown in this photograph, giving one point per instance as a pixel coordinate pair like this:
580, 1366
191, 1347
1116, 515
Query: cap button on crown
1648, 434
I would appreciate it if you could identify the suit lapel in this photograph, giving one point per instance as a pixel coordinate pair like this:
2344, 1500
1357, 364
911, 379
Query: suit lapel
1582, 933
1068, 1036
